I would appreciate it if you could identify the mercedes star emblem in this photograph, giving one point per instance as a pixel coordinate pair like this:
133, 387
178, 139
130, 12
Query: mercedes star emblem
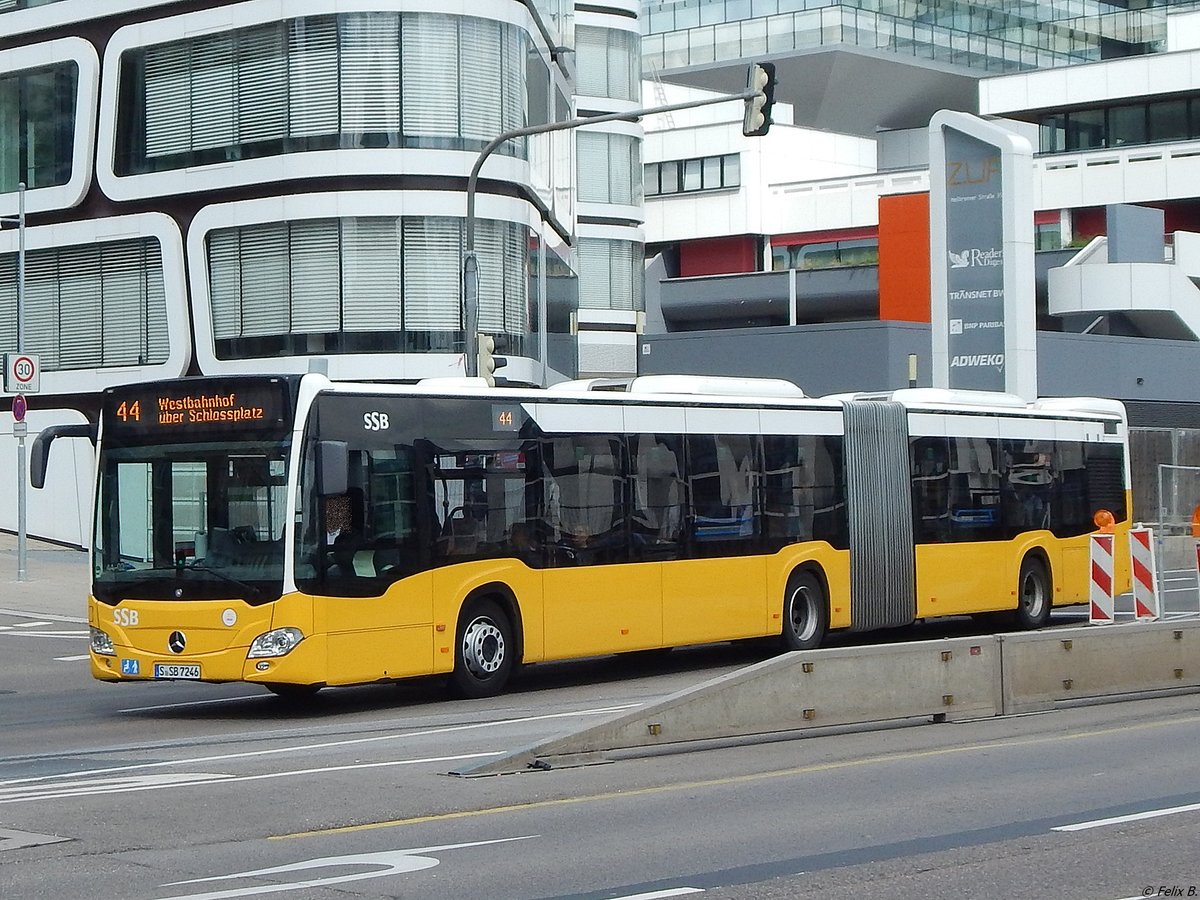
176, 642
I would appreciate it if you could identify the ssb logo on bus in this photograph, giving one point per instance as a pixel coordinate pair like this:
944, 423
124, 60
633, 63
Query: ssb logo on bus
376, 421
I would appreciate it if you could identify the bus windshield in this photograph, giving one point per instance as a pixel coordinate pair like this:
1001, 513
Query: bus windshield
182, 521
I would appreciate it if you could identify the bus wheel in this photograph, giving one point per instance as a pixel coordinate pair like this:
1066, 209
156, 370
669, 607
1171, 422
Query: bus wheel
1033, 594
293, 692
805, 613
483, 654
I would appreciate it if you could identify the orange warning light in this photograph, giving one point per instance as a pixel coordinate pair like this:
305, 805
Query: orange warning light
1196, 521
1104, 521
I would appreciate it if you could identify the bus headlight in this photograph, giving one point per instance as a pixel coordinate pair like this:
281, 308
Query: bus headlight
101, 642
279, 642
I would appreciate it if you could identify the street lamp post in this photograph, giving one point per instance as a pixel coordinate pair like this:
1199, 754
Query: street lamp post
20, 428
470, 262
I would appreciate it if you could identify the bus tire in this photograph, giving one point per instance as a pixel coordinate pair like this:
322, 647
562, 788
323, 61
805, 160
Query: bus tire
805, 612
484, 650
1034, 598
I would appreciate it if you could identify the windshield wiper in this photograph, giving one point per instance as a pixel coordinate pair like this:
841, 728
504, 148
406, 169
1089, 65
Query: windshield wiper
256, 592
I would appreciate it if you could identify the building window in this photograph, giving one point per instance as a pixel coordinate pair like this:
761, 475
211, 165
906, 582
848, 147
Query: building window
1047, 236
1120, 125
707, 173
89, 306
826, 255
606, 165
372, 284
37, 126
1127, 125
611, 274
320, 83
608, 62
1167, 120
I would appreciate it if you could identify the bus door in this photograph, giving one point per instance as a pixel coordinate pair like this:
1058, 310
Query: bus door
958, 503
717, 589
363, 554
599, 597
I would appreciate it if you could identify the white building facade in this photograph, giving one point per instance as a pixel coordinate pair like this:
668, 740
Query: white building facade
227, 187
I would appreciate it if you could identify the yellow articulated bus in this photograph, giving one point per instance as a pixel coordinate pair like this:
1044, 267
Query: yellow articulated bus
296, 532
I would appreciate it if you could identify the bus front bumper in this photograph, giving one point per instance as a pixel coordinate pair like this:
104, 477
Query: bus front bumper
304, 664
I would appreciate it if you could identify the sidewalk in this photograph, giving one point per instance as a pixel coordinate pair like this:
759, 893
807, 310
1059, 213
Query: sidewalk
58, 579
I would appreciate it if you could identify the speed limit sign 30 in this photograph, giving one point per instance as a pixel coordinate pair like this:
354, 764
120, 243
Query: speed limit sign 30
21, 373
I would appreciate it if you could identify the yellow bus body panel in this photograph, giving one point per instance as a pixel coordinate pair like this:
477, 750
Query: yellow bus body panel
959, 578
707, 600
378, 638
593, 610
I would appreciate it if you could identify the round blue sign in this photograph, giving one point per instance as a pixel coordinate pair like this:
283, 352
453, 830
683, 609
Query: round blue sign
20, 406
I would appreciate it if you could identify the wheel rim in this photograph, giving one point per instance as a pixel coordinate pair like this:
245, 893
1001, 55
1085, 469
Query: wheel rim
483, 647
1033, 595
803, 614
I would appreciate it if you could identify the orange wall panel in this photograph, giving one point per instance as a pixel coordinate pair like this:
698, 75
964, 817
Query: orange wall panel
904, 258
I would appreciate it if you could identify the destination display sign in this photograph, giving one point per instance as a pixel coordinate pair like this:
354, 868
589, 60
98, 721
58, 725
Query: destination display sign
210, 406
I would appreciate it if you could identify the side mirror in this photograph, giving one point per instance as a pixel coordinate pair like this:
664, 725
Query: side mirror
333, 467
39, 453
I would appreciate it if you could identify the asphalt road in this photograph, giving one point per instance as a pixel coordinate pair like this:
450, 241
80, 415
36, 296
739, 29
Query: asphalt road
200, 791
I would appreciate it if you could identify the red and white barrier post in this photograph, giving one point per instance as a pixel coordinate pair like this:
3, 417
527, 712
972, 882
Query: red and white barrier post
1102, 604
1198, 563
1145, 575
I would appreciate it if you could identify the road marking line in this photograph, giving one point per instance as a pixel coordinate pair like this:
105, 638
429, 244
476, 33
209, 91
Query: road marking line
1134, 817
70, 658
307, 748
48, 634
93, 787
18, 614
655, 895
735, 779
387, 862
193, 702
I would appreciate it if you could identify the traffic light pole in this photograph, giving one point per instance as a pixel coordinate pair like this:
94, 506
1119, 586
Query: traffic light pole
470, 263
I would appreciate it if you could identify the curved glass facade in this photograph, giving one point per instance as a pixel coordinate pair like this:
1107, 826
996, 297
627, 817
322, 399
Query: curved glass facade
350, 81
370, 284
609, 62
611, 274
610, 168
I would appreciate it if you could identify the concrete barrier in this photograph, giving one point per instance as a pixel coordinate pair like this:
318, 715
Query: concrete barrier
957, 678
1045, 669
948, 679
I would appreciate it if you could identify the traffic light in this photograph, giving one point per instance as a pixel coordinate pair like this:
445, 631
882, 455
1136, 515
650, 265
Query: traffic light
487, 361
760, 78
486, 366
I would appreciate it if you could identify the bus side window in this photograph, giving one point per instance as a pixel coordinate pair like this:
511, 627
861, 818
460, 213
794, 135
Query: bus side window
584, 488
789, 489
657, 491
723, 474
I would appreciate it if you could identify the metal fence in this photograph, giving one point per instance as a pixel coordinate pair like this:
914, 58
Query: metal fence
1165, 467
1165, 481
